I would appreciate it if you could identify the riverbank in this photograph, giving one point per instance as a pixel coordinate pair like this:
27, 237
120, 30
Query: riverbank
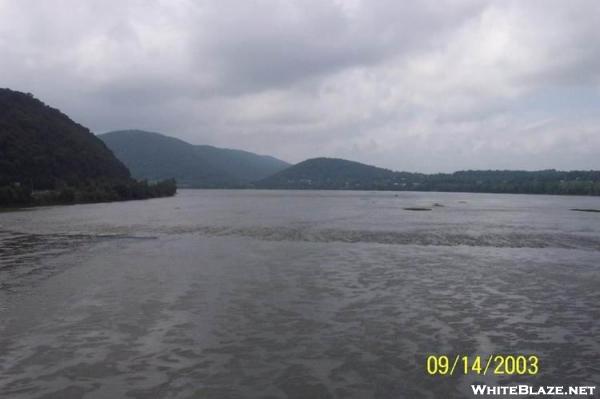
90, 192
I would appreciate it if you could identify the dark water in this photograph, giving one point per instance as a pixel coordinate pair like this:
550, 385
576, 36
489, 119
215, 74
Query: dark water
266, 294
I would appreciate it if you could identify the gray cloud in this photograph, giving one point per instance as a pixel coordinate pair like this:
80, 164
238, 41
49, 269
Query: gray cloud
416, 85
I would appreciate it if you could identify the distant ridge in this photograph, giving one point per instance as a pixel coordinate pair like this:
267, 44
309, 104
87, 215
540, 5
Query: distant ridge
331, 173
155, 156
341, 174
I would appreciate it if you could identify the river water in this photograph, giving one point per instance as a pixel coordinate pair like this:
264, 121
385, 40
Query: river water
295, 294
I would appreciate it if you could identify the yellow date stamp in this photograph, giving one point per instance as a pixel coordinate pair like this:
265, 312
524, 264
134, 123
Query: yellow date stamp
496, 364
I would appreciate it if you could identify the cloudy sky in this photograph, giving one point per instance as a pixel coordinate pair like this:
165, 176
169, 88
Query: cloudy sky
409, 85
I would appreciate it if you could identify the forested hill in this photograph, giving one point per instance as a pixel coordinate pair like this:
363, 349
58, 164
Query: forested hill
41, 147
152, 155
330, 173
155, 156
47, 157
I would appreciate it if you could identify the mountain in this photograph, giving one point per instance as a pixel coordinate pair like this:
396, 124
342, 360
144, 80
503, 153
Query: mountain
155, 156
42, 147
243, 165
335, 174
45, 155
332, 173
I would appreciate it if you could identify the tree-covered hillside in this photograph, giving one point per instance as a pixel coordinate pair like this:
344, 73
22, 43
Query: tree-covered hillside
243, 165
45, 157
331, 173
42, 148
328, 173
155, 156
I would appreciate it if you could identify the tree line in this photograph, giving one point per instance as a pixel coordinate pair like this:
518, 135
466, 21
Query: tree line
91, 191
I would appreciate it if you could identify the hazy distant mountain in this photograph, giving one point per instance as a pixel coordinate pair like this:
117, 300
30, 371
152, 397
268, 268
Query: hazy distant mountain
155, 156
243, 165
331, 173
45, 158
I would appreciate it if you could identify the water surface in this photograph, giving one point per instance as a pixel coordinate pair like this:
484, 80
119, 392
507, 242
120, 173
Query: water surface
294, 294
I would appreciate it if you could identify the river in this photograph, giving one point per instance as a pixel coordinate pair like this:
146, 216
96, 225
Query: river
295, 294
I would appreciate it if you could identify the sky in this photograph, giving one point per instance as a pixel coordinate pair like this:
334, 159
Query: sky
429, 86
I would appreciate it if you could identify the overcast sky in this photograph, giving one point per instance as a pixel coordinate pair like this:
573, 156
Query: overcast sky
408, 85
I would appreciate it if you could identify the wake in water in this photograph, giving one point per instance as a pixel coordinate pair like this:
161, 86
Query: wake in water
27, 257
419, 237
